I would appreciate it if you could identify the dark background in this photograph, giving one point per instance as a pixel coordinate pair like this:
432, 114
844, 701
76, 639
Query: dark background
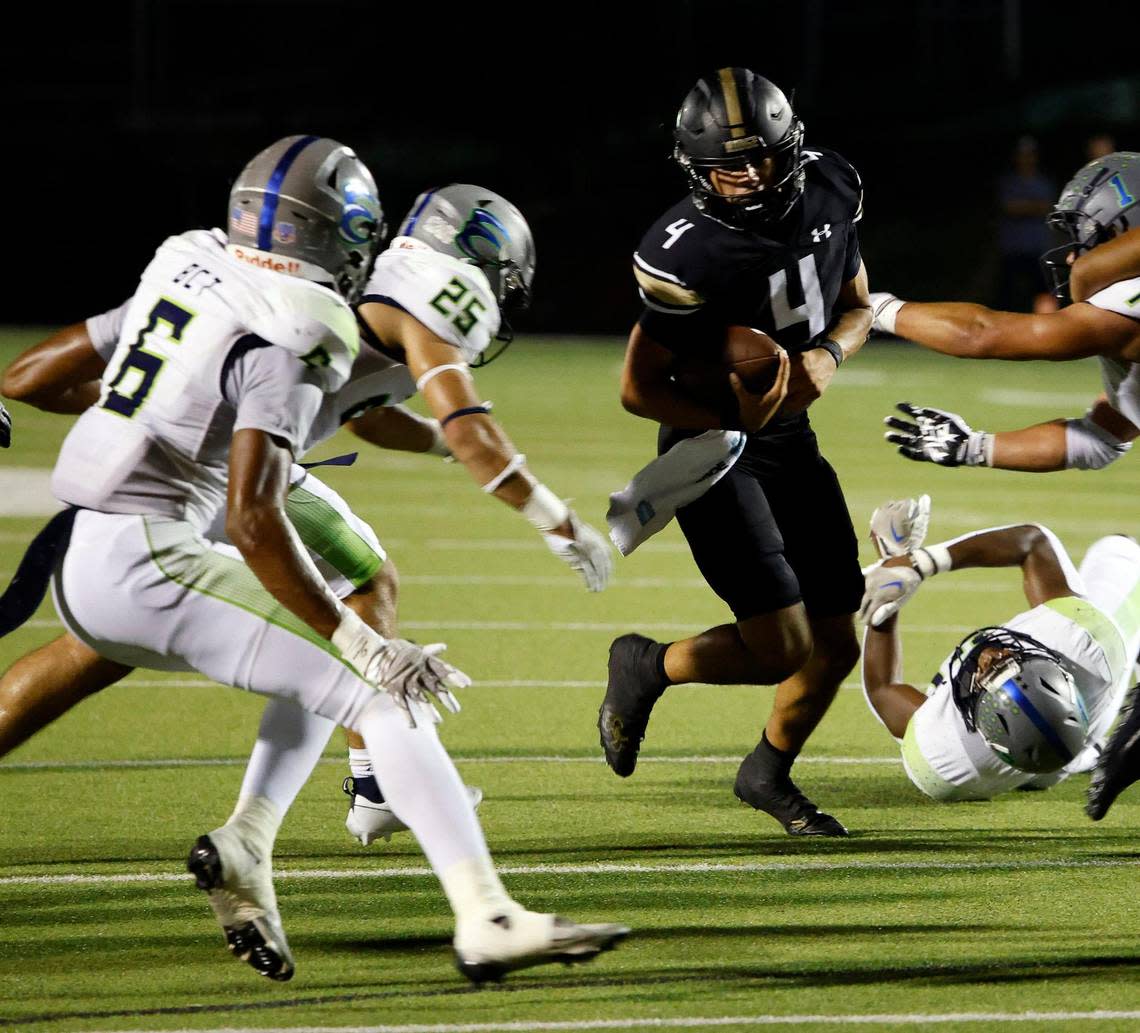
126, 121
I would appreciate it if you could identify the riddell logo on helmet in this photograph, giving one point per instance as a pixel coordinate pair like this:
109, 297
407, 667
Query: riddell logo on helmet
262, 260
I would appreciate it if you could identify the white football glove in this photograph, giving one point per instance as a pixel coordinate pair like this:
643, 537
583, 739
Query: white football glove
899, 526
407, 672
588, 552
885, 589
884, 308
936, 436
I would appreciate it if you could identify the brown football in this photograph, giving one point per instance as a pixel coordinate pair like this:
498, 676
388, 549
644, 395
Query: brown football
751, 354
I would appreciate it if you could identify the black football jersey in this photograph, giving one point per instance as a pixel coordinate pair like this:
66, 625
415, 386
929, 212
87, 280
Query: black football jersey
697, 275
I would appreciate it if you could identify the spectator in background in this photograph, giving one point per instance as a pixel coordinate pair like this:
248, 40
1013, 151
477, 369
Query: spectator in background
1025, 197
1098, 145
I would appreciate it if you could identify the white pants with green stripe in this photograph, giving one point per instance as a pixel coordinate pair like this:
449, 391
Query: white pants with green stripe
150, 592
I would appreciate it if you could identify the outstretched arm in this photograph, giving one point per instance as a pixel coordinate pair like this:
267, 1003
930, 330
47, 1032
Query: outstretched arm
1091, 442
971, 331
478, 442
893, 700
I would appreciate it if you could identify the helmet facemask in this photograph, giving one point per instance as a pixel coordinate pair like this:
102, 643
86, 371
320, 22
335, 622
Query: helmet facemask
1018, 695
780, 165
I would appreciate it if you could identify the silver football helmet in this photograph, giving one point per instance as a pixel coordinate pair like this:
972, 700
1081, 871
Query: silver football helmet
311, 201
1024, 704
484, 229
1098, 203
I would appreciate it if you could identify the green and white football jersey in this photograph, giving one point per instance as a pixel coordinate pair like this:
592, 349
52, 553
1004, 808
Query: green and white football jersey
158, 439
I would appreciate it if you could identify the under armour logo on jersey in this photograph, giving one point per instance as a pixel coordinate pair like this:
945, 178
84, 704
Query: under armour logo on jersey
821, 234
675, 229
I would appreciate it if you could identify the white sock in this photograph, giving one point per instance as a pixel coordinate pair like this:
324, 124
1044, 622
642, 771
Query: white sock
359, 763
426, 793
290, 741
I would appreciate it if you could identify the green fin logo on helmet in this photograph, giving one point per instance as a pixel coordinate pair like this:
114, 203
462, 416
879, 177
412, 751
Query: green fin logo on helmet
482, 225
1097, 204
493, 236
306, 206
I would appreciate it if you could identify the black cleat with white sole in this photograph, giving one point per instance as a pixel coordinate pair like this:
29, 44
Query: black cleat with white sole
635, 684
1118, 766
766, 788
259, 942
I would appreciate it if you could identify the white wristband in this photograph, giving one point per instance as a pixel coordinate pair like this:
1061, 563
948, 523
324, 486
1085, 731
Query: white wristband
428, 375
544, 509
931, 560
888, 314
517, 462
353, 637
979, 449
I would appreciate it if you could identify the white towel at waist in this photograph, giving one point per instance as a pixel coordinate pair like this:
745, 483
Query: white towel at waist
671, 481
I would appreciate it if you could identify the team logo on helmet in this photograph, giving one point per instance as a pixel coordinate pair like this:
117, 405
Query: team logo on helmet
481, 225
361, 216
285, 233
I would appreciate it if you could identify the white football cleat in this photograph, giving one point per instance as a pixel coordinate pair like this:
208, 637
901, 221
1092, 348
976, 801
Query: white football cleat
239, 885
368, 821
487, 949
899, 526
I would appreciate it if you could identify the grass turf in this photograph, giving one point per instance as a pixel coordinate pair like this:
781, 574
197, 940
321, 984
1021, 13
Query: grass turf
1017, 906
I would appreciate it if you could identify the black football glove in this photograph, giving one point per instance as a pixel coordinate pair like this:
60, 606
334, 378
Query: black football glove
936, 436
5, 428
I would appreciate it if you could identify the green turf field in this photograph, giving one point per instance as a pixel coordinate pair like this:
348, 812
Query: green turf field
975, 915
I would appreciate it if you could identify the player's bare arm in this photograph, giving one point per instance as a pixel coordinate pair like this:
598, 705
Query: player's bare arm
1106, 264
476, 440
256, 523
60, 374
968, 331
1028, 546
400, 430
813, 370
1090, 442
648, 390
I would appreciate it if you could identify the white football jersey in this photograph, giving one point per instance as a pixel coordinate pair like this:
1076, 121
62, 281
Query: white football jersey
1094, 649
452, 298
1121, 379
157, 441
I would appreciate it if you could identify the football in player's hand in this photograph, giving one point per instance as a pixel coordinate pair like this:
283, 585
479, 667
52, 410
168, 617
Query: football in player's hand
751, 354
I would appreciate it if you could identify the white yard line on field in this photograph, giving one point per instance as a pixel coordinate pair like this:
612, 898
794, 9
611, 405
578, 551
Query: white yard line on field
796, 867
537, 758
577, 626
697, 1022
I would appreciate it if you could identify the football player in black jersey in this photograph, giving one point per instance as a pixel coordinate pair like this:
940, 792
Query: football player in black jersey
766, 239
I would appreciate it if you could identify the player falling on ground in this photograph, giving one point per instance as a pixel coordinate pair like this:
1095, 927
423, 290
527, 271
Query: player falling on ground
249, 340
418, 275
1093, 213
1017, 704
766, 239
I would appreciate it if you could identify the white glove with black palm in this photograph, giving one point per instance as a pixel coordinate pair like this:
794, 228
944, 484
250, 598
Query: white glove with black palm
899, 526
885, 589
407, 672
588, 552
937, 436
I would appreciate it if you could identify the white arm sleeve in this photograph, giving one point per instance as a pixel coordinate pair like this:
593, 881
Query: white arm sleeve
1088, 446
105, 329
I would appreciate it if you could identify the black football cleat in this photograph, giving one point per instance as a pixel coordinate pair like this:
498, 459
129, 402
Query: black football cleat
635, 684
1119, 763
776, 794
